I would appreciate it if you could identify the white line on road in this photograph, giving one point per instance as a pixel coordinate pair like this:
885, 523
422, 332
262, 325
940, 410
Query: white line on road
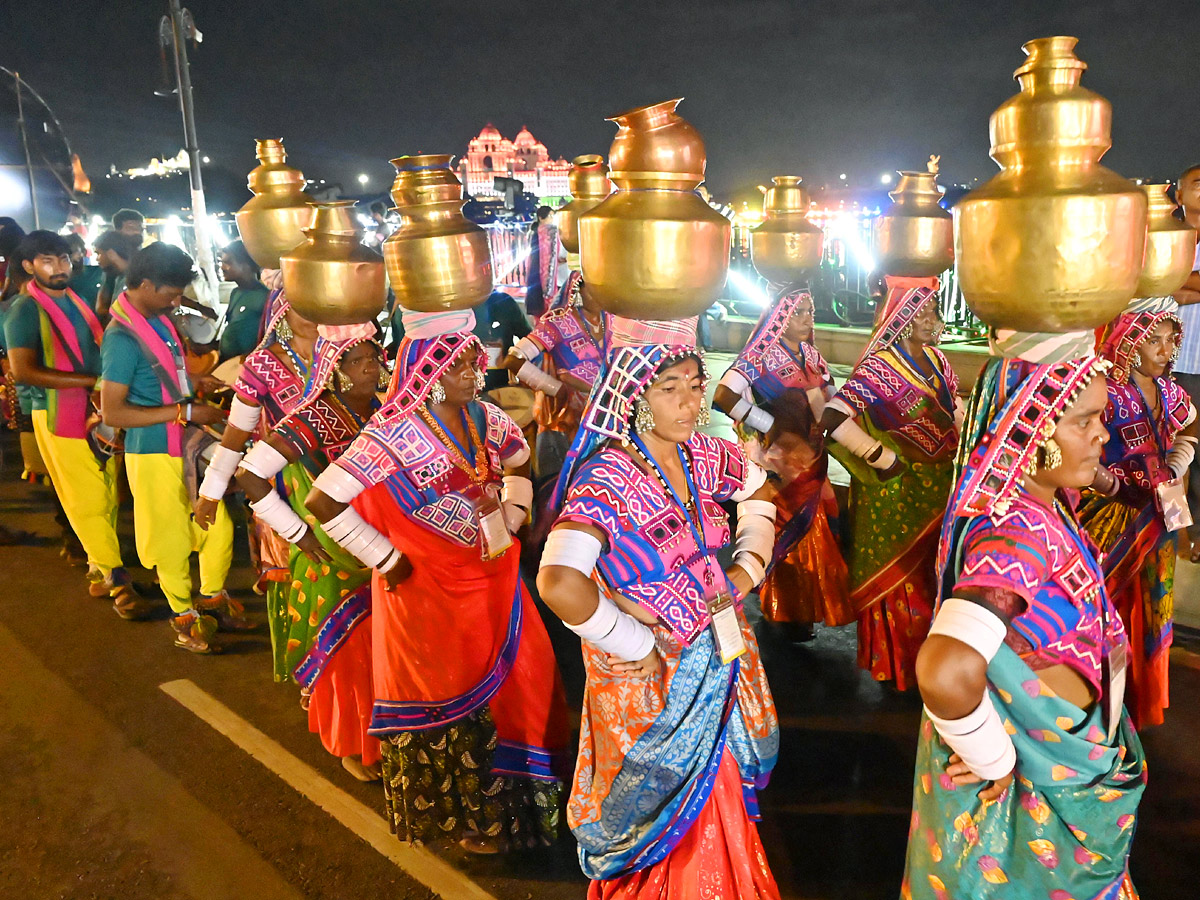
438, 876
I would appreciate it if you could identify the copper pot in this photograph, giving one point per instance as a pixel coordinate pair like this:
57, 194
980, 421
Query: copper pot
654, 249
437, 259
272, 221
331, 278
1055, 242
589, 186
1170, 246
914, 237
785, 247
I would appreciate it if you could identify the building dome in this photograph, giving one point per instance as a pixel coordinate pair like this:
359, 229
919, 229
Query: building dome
525, 139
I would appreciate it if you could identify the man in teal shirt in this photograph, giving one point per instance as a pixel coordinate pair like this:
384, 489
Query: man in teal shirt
243, 318
85, 280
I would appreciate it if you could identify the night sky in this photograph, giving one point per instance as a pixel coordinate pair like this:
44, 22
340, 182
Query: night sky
810, 88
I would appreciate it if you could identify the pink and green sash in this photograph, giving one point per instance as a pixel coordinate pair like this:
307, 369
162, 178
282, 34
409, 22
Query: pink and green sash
167, 365
66, 408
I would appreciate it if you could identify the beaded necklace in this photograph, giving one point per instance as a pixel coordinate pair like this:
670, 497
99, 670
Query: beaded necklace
479, 474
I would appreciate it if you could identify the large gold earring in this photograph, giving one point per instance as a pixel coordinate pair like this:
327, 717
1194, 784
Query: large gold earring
643, 417
1053, 457
385, 379
343, 380
705, 418
437, 393
283, 331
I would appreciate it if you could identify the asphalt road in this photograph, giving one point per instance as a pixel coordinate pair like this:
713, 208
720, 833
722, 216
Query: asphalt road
112, 788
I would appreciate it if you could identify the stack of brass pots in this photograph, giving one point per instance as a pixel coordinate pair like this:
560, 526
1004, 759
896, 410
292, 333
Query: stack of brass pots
914, 237
654, 249
331, 278
589, 186
1055, 242
437, 260
272, 221
1170, 246
786, 246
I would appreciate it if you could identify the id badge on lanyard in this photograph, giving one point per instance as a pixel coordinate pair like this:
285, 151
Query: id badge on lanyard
494, 537
726, 629
1172, 503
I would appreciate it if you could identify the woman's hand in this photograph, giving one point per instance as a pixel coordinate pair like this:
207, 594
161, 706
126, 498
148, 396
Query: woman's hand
397, 573
646, 667
205, 512
311, 547
961, 775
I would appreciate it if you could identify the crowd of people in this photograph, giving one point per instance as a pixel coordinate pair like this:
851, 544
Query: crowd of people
1011, 556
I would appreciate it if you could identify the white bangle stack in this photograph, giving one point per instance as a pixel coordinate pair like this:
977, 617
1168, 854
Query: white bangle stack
219, 472
533, 376
282, 519
616, 632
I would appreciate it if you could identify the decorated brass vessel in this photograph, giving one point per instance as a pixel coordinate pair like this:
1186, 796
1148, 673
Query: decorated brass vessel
272, 221
914, 237
654, 249
786, 246
1170, 246
1055, 242
437, 259
332, 278
589, 186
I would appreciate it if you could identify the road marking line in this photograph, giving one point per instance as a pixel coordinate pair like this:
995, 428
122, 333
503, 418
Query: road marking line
437, 875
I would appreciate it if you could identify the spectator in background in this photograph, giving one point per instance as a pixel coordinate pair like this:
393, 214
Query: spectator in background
1187, 366
543, 263
246, 302
10, 235
85, 280
382, 227
113, 251
130, 223
499, 323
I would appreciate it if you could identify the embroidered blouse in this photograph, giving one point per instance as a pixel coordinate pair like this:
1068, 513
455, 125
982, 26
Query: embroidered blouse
1137, 442
561, 333
1043, 557
405, 454
652, 555
896, 396
269, 382
319, 432
775, 369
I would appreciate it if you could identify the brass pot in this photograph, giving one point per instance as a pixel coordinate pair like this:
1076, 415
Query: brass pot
436, 260
589, 186
654, 249
914, 237
1055, 242
331, 278
1170, 246
272, 221
785, 247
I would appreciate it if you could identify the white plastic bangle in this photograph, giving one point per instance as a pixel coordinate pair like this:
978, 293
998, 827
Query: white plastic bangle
528, 349
764, 508
739, 410
264, 461
361, 539
759, 419
971, 623
572, 548
276, 512
338, 484
243, 416
616, 632
220, 470
735, 381
517, 490
979, 739
751, 565
533, 376
755, 534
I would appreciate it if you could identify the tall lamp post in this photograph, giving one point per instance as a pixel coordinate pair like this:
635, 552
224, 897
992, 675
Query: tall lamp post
174, 29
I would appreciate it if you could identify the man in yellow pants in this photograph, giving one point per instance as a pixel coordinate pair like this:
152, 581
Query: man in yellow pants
146, 391
54, 344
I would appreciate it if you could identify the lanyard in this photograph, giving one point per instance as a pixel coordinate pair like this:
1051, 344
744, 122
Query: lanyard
1154, 425
299, 363
697, 532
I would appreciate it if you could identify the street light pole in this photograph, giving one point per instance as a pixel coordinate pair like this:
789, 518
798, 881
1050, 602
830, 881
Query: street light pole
37, 222
207, 288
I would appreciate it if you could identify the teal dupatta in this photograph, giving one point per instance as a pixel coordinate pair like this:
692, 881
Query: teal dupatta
1062, 831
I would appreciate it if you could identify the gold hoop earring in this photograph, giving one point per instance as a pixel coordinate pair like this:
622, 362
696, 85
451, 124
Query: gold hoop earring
643, 417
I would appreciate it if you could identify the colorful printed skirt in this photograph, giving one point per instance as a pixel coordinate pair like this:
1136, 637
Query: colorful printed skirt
1064, 828
665, 792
